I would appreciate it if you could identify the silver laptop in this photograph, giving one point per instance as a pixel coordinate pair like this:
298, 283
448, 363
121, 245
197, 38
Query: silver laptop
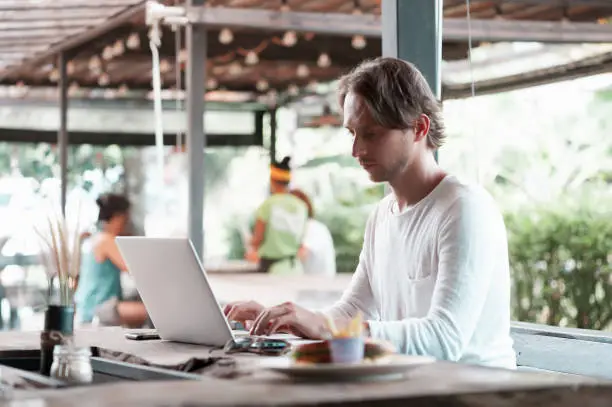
175, 290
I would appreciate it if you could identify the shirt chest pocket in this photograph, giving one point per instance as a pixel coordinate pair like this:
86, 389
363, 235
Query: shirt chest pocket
419, 293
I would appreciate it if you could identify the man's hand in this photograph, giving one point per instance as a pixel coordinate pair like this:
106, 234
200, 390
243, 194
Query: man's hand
296, 319
243, 311
252, 256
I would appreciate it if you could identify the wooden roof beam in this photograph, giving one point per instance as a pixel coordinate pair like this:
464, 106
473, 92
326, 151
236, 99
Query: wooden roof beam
56, 14
560, 3
16, 5
51, 25
80, 38
455, 29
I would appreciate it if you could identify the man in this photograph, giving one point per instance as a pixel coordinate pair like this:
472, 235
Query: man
433, 275
279, 226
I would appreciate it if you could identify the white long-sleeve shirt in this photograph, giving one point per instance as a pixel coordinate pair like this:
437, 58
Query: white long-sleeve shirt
433, 279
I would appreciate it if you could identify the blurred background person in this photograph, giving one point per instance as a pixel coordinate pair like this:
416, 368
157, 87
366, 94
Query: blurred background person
99, 290
280, 223
317, 252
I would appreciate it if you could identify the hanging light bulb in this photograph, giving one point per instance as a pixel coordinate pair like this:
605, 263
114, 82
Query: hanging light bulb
94, 63
182, 56
226, 36
324, 61
70, 68
73, 88
251, 58
54, 75
302, 71
289, 39
211, 83
262, 85
235, 68
293, 90
107, 54
358, 42
118, 48
133, 41
164, 66
104, 79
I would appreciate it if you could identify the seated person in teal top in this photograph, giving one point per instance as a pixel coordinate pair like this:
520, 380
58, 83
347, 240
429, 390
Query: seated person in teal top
279, 226
100, 276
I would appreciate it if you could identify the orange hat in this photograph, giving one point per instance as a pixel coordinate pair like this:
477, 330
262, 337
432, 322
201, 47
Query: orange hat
280, 171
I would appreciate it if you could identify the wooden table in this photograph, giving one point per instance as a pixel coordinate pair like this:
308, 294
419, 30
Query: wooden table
438, 384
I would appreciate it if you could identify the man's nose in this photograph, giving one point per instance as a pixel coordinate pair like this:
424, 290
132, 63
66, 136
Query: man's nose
358, 147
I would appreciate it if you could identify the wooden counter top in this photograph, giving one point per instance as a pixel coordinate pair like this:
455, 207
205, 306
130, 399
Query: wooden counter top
438, 384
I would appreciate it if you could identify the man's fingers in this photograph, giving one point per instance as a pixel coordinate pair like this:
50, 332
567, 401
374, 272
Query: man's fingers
286, 320
227, 308
261, 325
239, 313
261, 317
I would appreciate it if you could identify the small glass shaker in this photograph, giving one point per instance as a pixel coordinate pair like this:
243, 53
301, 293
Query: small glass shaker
72, 364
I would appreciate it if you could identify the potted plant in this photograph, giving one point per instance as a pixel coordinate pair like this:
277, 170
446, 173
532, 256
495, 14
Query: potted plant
61, 258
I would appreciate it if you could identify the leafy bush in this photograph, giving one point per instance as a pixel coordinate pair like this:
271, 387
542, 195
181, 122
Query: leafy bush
346, 219
346, 225
561, 265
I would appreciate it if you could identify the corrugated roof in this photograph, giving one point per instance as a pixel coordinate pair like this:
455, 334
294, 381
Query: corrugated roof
31, 27
103, 63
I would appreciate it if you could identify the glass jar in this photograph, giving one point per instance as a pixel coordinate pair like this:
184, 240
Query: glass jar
71, 364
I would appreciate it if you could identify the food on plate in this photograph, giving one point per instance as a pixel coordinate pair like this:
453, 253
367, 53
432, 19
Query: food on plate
353, 329
319, 352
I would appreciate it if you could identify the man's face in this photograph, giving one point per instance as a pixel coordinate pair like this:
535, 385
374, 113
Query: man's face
383, 153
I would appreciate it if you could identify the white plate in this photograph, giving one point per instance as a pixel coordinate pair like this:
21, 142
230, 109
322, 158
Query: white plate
389, 367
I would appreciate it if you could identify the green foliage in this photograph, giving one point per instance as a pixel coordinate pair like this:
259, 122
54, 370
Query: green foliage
346, 220
346, 225
236, 249
561, 265
41, 161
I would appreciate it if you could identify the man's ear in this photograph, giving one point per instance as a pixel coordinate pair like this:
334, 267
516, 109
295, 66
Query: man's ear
421, 127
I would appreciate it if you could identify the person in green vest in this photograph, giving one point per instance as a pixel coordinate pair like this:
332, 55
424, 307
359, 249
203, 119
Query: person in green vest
280, 223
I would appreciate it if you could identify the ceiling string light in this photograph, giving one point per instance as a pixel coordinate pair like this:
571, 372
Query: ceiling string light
118, 48
211, 83
262, 85
104, 79
133, 41
302, 71
358, 42
289, 39
251, 58
324, 60
54, 75
226, 36
107, 53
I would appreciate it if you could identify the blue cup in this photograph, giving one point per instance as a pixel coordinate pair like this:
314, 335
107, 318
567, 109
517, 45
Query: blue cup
347, 350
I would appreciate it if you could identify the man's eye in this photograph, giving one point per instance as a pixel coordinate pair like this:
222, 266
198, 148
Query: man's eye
350, 134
